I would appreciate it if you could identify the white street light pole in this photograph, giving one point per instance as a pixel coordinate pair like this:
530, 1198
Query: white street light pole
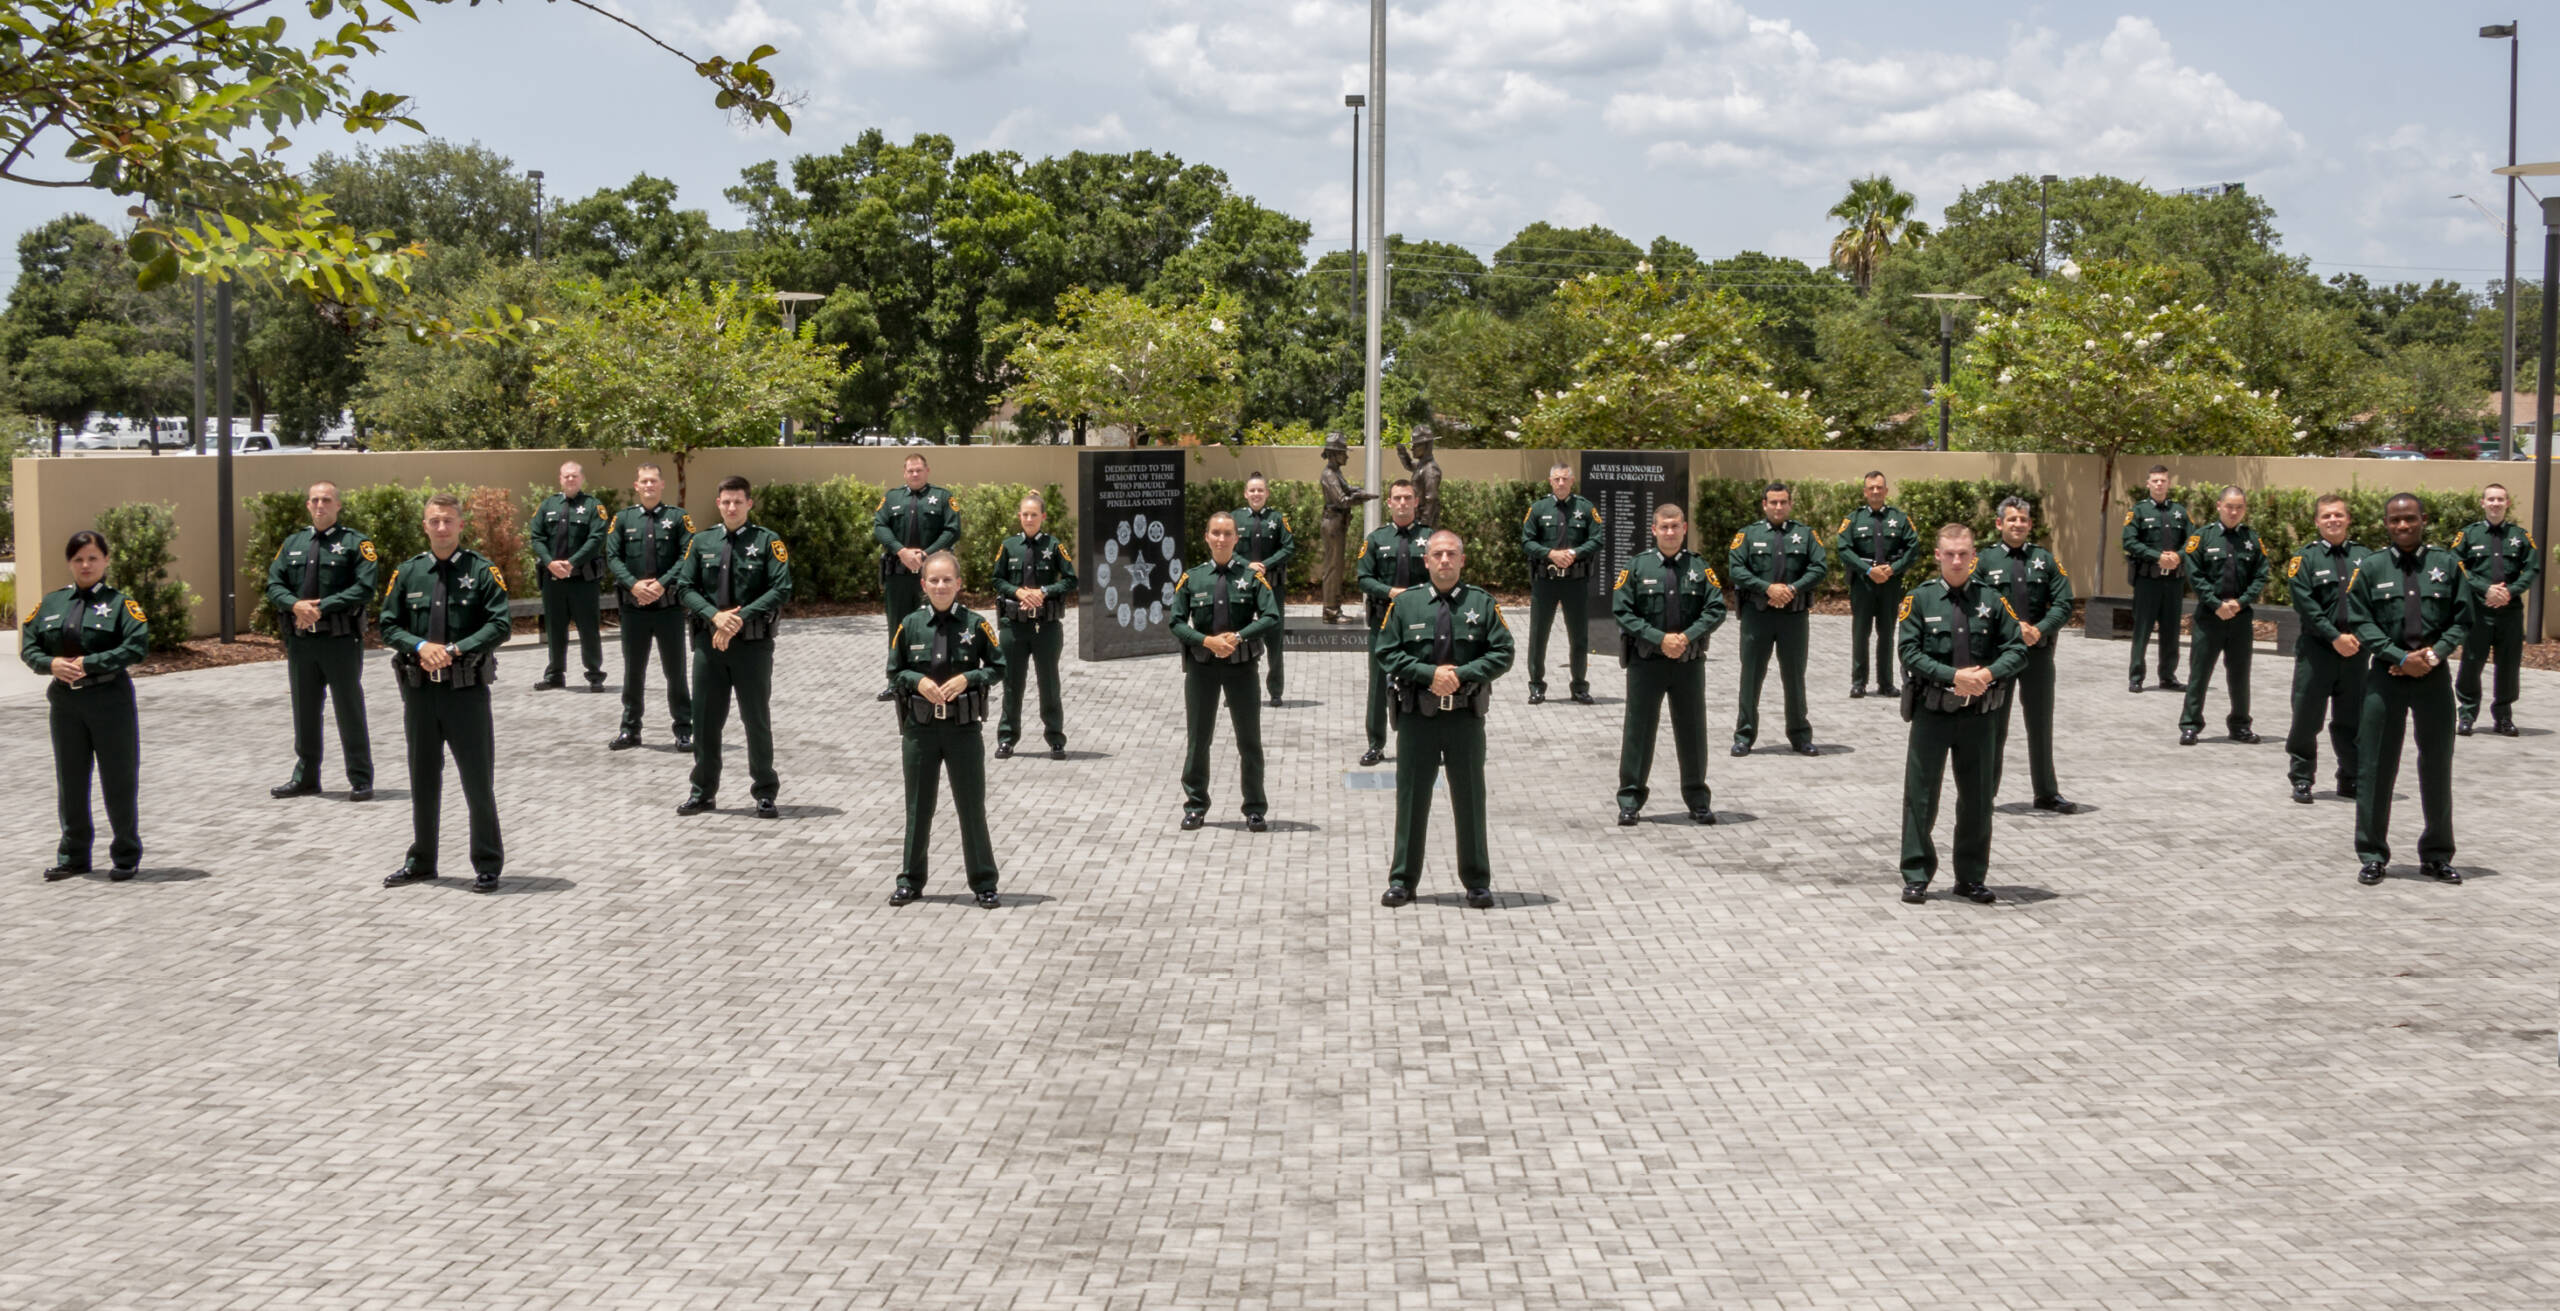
1377, 248
2507, 380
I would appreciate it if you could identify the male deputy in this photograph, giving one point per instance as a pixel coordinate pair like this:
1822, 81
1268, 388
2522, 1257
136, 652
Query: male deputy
1033, 578
2502, 568
568, 558
1775, 564
1391, 561
444, 616
1559, 535
1961, 649
2227, 565
2155, 531
1442, 646
1221, 612
2032, 580
320, 583
2328, 678
1876, 542
1264, 540
913, 521
646, 542
1666, 602
734, 582
2412, 610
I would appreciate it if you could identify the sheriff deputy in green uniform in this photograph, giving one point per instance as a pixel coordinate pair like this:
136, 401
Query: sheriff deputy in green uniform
942, 656
1034, 576
645, 544
1221, 612
1559, 535
1775, 564
1876, 542
2155, 530
2328, 678
2412, 609
444, 615
1666, 601
913, 521
1961, 650
568, 560
1390, 563
1442, 646
734, 582
1264, 540
2038, 590
85, 637
2503, 567
321, 582
2227, 566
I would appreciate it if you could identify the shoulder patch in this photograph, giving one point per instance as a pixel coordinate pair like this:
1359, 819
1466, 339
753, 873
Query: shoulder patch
1284, 523
1737, 541
134, 608
2294, 569
1844, 525
688, 523
1062, 552
2194, 540
990, 630
2128, 518
369, 556
781, 553
2013, 610
1905, 612
498, 578
2057, 567
1595, 515
1622, 581
1712, 580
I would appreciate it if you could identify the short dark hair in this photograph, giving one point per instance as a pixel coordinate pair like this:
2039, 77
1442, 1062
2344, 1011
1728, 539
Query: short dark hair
1255, 477
87, 537
1776, 487
2157, 468
1400, 482
639, 469
1950, 531
2410, 497
445, 501
734, 483
2500, 486
1670, 507
1871, 473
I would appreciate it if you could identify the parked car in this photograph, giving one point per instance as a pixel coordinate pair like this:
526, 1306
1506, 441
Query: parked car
2393, 453
261, 442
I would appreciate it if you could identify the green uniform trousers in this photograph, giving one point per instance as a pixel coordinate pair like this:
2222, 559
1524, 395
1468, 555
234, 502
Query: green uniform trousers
330, 669
437, 718
96, 727
2498, 632
1029, 649
1423, 745
2035, 689
663, 631
2156, 603
904, 594
1377, 724
746, 668
2389, 703
1764, 631
1649, 682
927, 752
2326, 685
1872, 607
1973, 740
1545, 596
1271, 643
1203, 683
2235, 641
567, 602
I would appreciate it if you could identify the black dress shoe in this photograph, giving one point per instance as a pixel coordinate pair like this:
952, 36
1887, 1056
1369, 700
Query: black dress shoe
903, 895
887, 694
1583, 699
1057, 753
1978, 896
2462, 726
684, 743
1372, 756
57, 873
695, 806
1191, 821
1004, 751
1397, 895
2370, 873
1626, 817
1857, 691
1537, 697
2302, 793
987, 900
2133, 685
2168, 684
2347, 788
404, 875
1480, 899
360, 794
125, 873
2058, 804
1809, 749
1706, 817
549, 681
1887, 689
484, 883
2186, 737
1256, 824
2440, 871
1742, 748
595, 684
765, 809
2245, 737
2505, 728
1914, 894
1273, 699
294, 790
623, 742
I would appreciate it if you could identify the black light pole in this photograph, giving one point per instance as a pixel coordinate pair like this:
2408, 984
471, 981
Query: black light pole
2507, 381
1946, 350
2044, 219
536, 175
227, 566
2542, 400
195, 422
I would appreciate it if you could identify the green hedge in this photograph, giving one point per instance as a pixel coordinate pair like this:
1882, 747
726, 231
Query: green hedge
1487, 514
1725, 505
142, 537
2282, 518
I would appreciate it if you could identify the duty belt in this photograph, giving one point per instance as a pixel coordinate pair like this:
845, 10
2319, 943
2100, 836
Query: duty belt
751, 628
1246, 652
476, 669
1418, 699
969, 707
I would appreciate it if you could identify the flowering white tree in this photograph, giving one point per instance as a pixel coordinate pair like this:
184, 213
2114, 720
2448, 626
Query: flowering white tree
1164, 372
1667, 362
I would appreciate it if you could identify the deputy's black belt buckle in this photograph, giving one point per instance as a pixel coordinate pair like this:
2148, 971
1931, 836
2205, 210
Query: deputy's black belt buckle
1448, 702
942, 710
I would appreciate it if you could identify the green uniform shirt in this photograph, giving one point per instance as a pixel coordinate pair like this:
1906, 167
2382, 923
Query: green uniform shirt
927, 519
1407, 643
1572, 523
1641, 598
2377, 603
1040, 562
1926, 637
2318, 578
345, 580
475, 603
2151, 527
1868, 538
759, 576
1765, 554
113, 634
2504, 554
2034, 583
2226, 564
569, 528
1253, 609
1263, 537
1390, 558
938, 644
631, 537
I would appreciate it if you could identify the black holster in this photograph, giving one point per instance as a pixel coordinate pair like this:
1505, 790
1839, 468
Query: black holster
1011, 612
344, 623
1580, 568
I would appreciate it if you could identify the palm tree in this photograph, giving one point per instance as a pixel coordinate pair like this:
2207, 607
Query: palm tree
1878, 215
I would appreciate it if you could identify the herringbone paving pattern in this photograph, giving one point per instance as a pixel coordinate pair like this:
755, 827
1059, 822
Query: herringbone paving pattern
699, 1063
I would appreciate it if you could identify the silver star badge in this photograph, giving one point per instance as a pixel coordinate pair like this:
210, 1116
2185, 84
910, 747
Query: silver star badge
1795, 539
1982, 611
2435, 575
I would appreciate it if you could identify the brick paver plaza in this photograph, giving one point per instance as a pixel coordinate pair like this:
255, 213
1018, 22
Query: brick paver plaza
2187, 1061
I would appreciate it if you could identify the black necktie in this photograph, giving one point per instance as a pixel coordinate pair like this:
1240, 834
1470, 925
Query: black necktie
1218, 601
1444, 632
2338, 608
73, 644
562, 530
1963, 598
1673, 617
2230, 567
2413, 626
915, 524
2497, 554
648, 544
1564, 523
436, 605
728, 568
311, 570
1035, 561
2017, 580
1404, 558
945, 645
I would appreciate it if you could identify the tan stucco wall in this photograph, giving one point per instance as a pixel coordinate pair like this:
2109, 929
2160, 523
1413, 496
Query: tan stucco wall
56, 497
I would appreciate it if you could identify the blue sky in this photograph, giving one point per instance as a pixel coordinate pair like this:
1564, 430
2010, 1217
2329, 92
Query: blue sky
1727, 125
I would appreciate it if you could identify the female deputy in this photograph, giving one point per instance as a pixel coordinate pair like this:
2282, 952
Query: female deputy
942, 657
85, 637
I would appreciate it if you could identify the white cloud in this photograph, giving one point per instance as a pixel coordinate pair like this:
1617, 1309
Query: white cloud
2413, 171
1036, 129
1572, 209
922, 36
1455, 204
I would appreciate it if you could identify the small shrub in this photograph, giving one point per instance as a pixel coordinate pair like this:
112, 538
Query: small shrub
144, 536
